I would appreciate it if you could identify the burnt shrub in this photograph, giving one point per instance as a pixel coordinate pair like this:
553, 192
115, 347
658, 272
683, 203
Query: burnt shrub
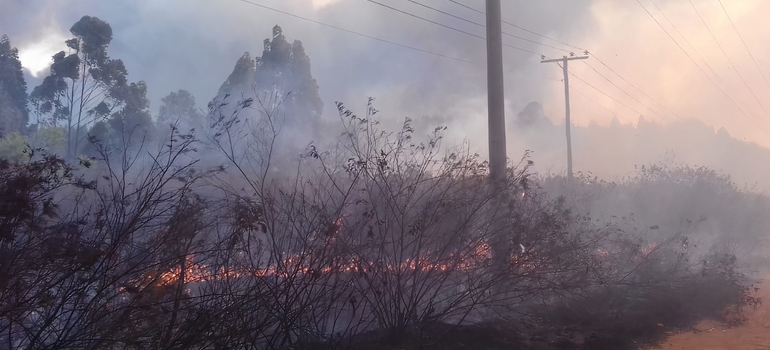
382, 239
673, 257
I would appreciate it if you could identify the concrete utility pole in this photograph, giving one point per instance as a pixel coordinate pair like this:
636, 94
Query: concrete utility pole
496, 99
564, 61
495, 92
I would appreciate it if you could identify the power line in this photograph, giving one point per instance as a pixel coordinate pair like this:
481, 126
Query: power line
449, 27
447, 13
466, 6
626, 92
543, 36
592, 100
744, 43
534, 41
524, 29
357, 33
716, 75
621, 89
522, 49
711, 69
426, 20
603, 93
692, 60
732, 65
483, 25
634, 86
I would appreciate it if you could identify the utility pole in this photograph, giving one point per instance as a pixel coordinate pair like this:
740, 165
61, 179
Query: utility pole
495, 93
568, 123
496, 123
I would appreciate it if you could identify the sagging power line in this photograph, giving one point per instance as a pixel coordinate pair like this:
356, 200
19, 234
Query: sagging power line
604, 93
621, 89
523, 29
654, 101
426, 19
581, 93
634, 86
455, 58
744, 43
466, 6
740, 108
482, 25
686, 41
349, 31
730, 61
457, 29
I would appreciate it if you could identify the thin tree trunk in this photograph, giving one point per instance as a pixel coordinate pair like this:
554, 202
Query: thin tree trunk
82, 102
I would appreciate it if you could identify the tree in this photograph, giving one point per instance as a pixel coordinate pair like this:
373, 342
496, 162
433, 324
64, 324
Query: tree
13, 89
89, 268
285, 68
180, 106
281, 79
12, 119
131, 125
85, 84
50, 138
134, 118
13, 148
241, 77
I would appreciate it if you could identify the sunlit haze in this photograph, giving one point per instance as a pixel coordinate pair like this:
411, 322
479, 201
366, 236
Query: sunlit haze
36, 56
318, 4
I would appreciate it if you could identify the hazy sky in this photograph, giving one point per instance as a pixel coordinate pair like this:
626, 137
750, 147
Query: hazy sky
193, 44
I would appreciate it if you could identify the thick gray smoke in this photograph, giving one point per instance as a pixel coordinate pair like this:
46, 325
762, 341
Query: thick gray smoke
331, 182
192, 45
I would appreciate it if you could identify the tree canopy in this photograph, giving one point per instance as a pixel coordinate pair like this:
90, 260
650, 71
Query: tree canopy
180, 106
241, 77
282, 76
134, 118
284, 67
85, 85
13, 89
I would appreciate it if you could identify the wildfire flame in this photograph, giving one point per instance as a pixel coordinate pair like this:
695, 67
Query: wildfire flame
479, 255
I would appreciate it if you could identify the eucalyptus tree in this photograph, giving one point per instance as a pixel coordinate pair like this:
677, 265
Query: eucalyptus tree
13, 89
84, 85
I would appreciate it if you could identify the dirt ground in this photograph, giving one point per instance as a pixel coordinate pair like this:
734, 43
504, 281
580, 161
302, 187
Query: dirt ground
710, 335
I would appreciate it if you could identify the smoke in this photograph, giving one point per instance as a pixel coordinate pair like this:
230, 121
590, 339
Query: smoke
319, 4
193, 45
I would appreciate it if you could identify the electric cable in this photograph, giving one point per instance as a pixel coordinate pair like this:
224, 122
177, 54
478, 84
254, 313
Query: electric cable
695, 63
744, 44
732, 65
357, 33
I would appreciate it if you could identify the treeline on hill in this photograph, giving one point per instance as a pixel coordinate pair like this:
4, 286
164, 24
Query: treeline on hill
215, 239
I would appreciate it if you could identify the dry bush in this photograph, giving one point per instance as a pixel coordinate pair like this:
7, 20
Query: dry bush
671, 258
384, 232
86, 262
379, 237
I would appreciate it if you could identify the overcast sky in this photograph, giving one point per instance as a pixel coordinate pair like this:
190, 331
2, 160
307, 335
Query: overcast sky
193, 45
